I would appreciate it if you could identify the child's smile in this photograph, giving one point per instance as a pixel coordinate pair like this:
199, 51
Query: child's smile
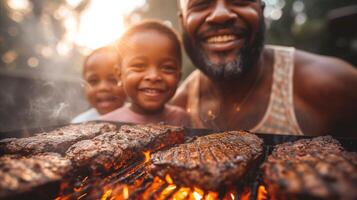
149, 71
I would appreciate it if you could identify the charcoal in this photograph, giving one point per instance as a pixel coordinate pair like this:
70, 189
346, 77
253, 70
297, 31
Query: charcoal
58, 140
210, 162
316, 168
115, 149
19, 174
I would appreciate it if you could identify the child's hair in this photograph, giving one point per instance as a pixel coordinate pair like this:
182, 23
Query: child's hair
150, 25
101, 49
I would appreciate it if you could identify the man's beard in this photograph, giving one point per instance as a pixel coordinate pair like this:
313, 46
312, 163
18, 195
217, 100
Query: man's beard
245, 59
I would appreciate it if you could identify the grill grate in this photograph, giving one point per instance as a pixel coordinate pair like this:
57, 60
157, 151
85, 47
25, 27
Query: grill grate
135, 176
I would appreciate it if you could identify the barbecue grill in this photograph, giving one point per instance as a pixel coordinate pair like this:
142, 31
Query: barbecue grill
134, 182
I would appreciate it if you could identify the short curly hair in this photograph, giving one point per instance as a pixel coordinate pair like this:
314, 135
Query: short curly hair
150, 25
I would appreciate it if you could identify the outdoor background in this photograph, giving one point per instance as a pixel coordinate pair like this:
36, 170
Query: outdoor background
42, 44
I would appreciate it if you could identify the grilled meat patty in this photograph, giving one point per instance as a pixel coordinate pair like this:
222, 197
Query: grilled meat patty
19, 174
118, 148
316, 168
58, 140
211, 161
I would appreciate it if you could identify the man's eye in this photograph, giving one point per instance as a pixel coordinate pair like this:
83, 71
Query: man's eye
200, 4
240, 2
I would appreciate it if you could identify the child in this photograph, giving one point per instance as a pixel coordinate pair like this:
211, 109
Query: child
149, 70
101, 88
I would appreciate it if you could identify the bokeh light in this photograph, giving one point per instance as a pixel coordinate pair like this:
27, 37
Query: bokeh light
103, 22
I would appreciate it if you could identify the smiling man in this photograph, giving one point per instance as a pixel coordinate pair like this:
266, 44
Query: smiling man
243, 84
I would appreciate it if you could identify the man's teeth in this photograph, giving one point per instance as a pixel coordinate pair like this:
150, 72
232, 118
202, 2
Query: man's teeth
221, 38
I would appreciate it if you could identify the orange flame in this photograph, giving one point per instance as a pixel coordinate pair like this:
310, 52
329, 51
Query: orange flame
147, 156
166, 192
245, 196
182, 193
211, 196
262, 193
198, 193
168, 179
126, 192
106, 195
232, 196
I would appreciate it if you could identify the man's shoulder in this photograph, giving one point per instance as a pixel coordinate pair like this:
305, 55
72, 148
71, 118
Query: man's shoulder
181, 96
325, 82
322, 71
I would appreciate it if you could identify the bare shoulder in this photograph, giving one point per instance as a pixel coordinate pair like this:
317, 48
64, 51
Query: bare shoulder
327, 87
181, 96
317, 72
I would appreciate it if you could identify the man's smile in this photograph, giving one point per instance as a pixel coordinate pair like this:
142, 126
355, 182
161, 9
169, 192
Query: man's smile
223, 40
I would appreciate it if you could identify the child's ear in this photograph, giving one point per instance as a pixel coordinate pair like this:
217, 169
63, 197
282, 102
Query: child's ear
117, 71
179, 76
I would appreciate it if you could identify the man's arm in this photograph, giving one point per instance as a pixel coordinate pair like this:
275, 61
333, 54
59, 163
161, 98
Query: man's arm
327, 91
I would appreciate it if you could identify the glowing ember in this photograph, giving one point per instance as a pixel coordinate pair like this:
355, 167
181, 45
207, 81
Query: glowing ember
106, 195
166, 192
245, 196
232, 196
147, 156
211, 196
182, 193
169, 179
262, 193
198, 193
126, 192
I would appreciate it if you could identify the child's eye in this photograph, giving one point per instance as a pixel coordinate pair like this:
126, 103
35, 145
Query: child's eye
137, 66
169, 68
113, 80
92, 82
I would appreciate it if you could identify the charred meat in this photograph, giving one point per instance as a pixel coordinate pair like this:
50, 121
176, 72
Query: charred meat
58, 140
117, 148
316, 168
19, 174
210, 162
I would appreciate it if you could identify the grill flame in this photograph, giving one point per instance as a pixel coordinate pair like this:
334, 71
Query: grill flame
148, 187
147, 156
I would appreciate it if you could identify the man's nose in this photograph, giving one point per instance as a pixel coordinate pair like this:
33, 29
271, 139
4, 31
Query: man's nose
153, 74
221, 13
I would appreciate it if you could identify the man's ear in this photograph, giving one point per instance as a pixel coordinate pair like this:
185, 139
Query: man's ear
181, 24
262, 4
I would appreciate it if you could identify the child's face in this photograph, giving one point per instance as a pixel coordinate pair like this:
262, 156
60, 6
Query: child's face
101, 89
150, 70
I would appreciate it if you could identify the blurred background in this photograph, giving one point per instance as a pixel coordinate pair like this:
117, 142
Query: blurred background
42, 45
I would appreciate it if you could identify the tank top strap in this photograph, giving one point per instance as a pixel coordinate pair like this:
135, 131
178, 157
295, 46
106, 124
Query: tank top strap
280, 115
